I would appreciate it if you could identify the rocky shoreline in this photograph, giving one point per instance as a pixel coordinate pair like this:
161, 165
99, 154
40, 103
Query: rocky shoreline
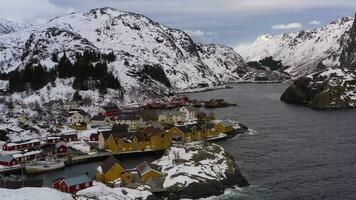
333, 88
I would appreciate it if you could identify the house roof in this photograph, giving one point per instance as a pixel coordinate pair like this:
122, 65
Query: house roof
143, 168
6, 158
130, 135
106, 133
69, 134
156, 124
82, 112
109, 163
110, 107
226, 123
151, 131
190, 109
184, 129
128, 117
77, 180
98, 118
118, 128
61, 143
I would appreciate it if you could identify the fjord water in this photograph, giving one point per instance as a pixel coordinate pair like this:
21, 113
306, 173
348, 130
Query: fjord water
297, 153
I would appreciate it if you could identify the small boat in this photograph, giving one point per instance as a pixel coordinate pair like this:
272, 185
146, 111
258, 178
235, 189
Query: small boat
44, 166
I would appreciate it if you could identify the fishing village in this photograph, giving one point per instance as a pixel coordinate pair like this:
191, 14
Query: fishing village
108, 135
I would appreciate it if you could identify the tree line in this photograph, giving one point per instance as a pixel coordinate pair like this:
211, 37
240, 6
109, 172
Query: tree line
90, 71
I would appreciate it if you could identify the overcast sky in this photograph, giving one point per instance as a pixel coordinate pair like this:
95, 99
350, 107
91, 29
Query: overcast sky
229, 22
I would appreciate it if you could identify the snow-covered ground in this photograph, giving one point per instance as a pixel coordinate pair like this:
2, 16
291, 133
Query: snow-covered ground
193, 162
304, 50
98, 191
80, 145
33, 194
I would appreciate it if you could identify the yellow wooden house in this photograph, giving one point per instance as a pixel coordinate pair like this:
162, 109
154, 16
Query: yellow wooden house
192, 132
147, 172
147, 139
111, 170
224, 127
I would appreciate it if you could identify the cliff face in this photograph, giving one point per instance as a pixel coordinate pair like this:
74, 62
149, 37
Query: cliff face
348, 56
197, 170
333, 88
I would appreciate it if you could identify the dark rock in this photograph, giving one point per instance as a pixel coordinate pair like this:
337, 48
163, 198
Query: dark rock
297, 93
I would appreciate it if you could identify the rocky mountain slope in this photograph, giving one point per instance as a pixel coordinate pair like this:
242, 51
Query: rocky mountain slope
305, 51
151, 59
7, 26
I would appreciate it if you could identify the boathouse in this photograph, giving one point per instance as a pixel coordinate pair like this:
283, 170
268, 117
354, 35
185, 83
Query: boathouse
30, 155
21, 145
8, 161
72, 185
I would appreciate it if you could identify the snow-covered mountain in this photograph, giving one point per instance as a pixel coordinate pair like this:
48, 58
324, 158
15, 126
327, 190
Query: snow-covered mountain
143, 49
8, 26
303, 51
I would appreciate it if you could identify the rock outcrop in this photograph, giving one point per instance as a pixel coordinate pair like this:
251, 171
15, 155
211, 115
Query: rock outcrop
196, 170
333, 88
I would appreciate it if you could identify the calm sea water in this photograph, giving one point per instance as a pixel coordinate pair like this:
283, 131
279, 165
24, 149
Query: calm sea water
297, 153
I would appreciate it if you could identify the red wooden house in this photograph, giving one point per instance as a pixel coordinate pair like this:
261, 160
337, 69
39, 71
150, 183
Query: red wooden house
53, 139
8, 161
94, 137
61, 148
109, 110
30, 155
72, 185
69, 137
21, 145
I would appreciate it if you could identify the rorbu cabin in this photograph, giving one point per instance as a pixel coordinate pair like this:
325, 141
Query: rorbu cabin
53, 139
21, 145
111, 170
29, 155
72, 185
61, 148
8, 161
69, 137
180, 133
147, 172
109, 110
159, 139
127, 141
224, 126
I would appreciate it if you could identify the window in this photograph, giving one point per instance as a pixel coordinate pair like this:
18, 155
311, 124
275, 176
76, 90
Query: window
77, 187
87, 185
